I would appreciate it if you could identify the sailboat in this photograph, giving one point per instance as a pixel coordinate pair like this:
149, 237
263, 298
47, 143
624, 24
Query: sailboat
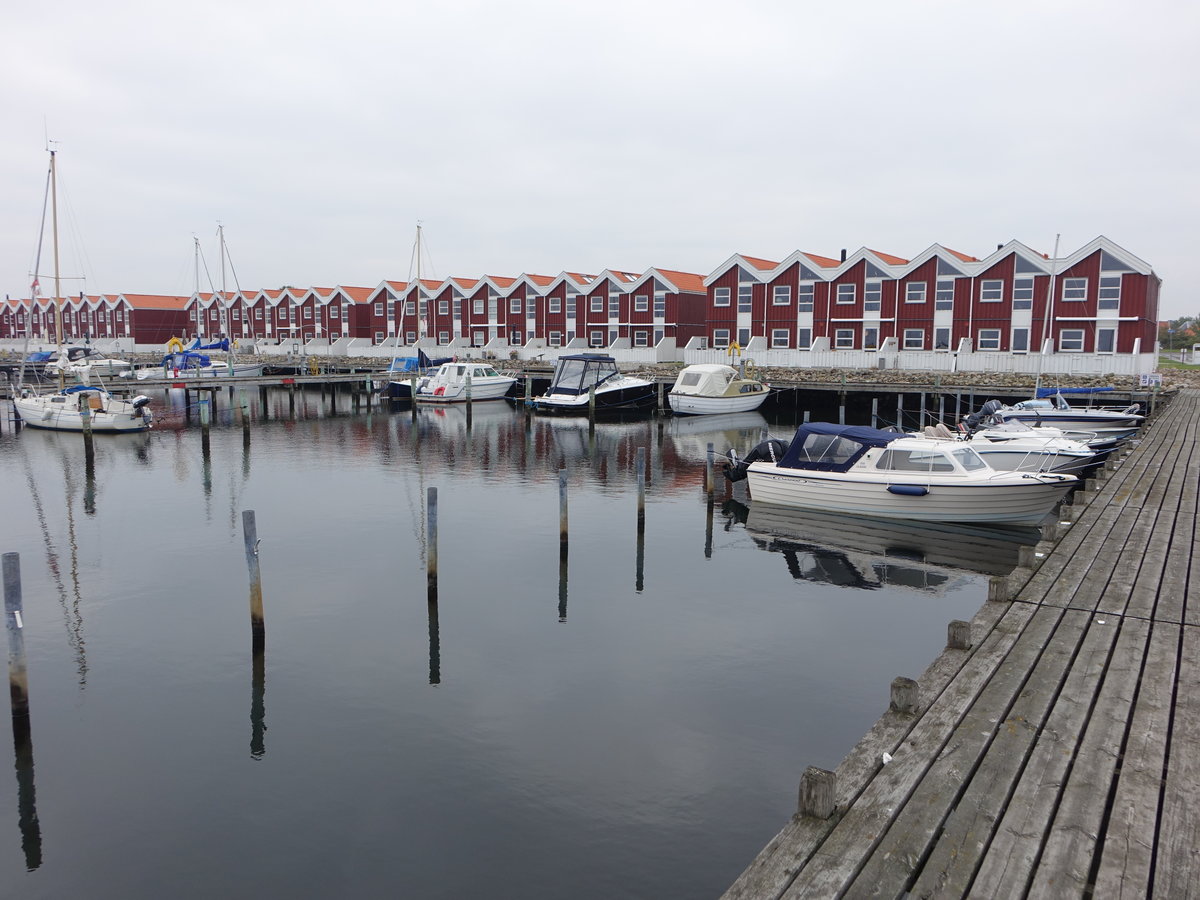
191, 361
80, 407
404, 368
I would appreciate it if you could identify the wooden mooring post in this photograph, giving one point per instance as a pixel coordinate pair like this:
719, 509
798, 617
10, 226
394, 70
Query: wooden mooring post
258, 631
640, 564
708, 471
412, 395
85, 413
431, 549
18, 681
562, 514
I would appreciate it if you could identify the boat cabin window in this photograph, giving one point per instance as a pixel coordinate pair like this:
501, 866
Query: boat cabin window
969, 459
486, 372
914, 461
827, 448
689, 379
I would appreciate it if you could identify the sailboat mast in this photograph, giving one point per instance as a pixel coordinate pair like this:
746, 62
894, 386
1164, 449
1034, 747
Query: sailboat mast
58, 319
420, 318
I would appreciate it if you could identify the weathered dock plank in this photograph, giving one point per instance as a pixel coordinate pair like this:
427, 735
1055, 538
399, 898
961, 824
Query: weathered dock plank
1057, 758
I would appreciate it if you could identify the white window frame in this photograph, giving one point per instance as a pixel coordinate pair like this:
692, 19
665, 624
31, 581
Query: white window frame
988, 339
780, 338
943, 293
915, 291
937, 333
914, 338
554, 339
1112, 334
443, 307
597, 303
873, 296
596, 337
516, 338
443, 338
554, 305
477, 306
410, 307
1072, 344
641, 338
843, 339
720, 338
991, 290
803, 338
722, 296
1074, 290
806, 297
1109, 295
641, 303
514, 305
870, 337
378, 337
781, 295
379, 309
847, 293
1012, 341
1022, 294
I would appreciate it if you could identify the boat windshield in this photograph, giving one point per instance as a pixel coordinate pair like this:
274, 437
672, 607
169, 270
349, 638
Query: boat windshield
914, 461
576, 376
969, 459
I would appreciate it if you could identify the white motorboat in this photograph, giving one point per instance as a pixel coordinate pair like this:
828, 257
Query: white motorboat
580, 376
65, 410
458, 382
1055, 410
1098, 436
711, 388
83, 362
1023, 451
865, 471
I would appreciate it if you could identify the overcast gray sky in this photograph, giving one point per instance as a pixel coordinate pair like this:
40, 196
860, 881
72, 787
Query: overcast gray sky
538, 136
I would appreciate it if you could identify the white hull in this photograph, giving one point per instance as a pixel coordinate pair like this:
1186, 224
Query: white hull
489, 389
696, 405
1014, 499
118, 416
240, 370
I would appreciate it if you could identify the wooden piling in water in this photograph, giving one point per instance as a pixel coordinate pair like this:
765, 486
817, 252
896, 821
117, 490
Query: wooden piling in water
562, 513
412, 396
18, 679
592, 403
258, 631
640, 465
958, 635
431, 550
708, 471
874, 412
85, 413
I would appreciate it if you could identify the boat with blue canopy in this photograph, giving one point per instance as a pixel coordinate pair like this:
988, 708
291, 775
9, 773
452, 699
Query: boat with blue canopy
868, 471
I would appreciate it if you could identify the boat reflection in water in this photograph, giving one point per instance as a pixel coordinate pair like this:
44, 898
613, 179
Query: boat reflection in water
858, 551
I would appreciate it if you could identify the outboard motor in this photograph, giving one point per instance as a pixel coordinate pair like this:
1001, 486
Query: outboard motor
974, 420
770, 450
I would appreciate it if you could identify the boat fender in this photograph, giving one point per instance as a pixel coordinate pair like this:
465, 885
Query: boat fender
174, 345
909, 490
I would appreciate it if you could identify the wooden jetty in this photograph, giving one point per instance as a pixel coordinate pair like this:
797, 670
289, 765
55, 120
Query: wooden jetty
1053, 754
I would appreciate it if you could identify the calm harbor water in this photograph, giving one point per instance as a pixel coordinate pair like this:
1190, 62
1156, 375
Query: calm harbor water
633, 724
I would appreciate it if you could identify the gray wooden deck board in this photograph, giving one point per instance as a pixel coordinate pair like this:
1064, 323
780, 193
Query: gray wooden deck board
1039, 761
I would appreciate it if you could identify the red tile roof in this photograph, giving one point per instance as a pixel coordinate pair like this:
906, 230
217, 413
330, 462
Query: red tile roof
156, 301
823, 261
760, 264
685, 281
889, 259
963, 256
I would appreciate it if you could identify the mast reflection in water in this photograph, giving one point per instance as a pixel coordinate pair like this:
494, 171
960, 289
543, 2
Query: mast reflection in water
459, 742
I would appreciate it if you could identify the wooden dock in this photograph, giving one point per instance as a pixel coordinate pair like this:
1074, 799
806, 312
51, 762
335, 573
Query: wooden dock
1057, 755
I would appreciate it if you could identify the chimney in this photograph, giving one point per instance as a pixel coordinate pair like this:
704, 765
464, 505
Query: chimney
843, 254
999, 246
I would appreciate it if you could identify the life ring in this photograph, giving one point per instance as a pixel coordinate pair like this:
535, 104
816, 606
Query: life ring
441, 389
174, 345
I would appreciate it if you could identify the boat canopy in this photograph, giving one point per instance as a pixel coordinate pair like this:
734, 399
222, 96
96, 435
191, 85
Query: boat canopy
709, 379
418, 363
222, 344
186, 360
577, 373
832, 448
1051, 391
